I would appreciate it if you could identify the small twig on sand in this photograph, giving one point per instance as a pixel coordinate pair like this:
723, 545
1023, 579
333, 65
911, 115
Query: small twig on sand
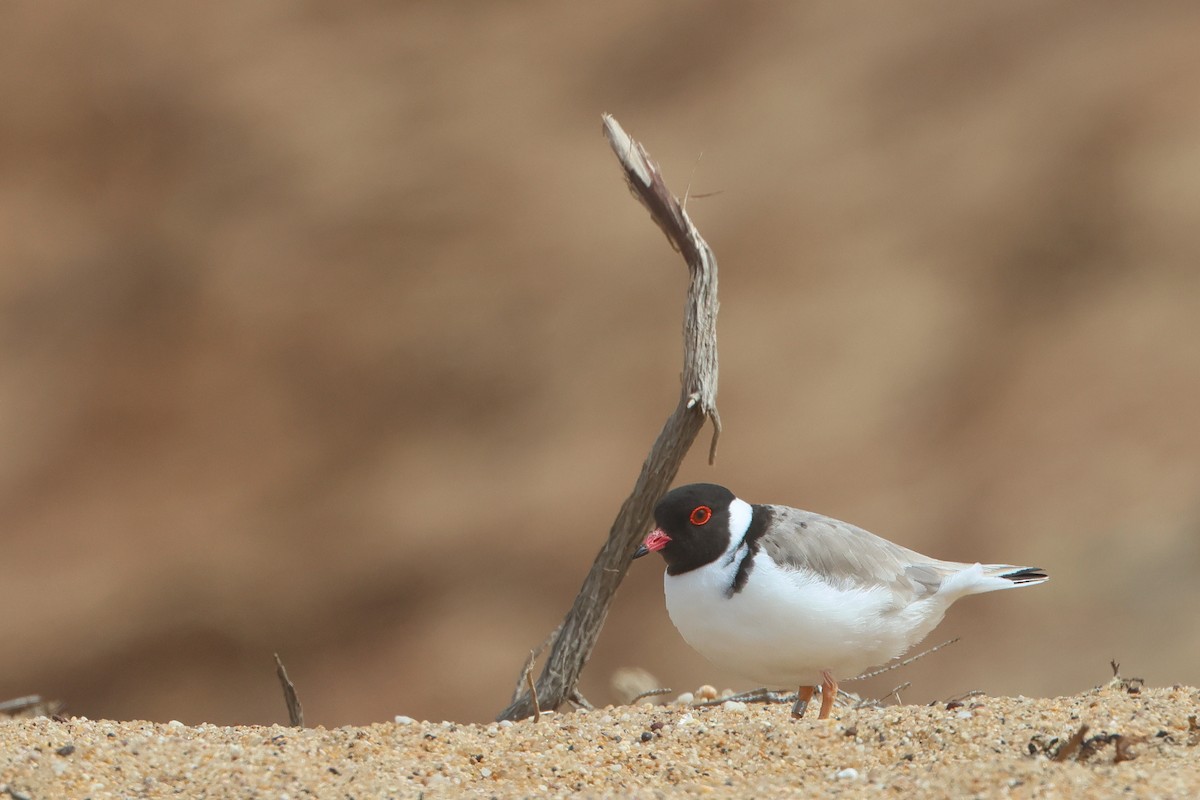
19, 704
958, 698
896, 693
295, 711
578, 699
697, 404
650, 693
873, 702
537, 709
1071, 745
768, 696
529, 662
761, 695
1130, 685
903, 663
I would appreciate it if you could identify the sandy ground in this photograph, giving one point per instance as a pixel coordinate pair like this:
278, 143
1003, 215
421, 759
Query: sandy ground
330, 329
1140, 744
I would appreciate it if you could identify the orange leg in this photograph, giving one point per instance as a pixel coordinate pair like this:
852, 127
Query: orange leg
804, 695
829, 688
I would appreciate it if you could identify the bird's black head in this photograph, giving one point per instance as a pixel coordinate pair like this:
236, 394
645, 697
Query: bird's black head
693, 526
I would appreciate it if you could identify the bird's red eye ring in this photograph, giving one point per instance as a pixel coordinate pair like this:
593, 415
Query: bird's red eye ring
700, 515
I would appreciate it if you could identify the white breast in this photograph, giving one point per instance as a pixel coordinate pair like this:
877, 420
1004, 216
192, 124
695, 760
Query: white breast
785, 626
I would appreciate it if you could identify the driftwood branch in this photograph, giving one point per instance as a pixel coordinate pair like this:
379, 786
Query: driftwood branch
697, 402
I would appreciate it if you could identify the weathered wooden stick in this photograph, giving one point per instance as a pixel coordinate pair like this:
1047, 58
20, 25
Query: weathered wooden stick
698, 402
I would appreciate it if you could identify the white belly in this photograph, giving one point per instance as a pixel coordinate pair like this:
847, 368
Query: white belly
784, 627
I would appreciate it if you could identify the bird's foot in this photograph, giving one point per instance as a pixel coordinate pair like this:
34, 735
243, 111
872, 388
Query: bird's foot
829, 690
802, 698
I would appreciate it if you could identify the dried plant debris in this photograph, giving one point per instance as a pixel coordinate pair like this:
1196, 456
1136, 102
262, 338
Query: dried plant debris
1081, 748
33, 705
634, 684
1129, 685
290, 698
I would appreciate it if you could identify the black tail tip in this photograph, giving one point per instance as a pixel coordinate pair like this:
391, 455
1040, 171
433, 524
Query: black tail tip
1026, 575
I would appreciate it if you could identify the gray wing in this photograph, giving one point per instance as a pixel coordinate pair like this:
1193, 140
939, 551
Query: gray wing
847, 556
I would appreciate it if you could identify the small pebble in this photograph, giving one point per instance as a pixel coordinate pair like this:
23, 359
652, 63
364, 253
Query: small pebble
686, 699
733, 705
848, 774
403, 720
707, 692
508, 723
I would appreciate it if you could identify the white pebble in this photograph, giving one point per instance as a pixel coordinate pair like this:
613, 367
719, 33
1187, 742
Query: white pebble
403, 720
508, 723
686, 719
686, 699
485, 772
848, 774
733, 705
175, 724
964, 714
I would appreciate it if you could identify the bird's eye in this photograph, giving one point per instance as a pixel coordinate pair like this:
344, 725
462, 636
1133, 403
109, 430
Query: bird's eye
700, 515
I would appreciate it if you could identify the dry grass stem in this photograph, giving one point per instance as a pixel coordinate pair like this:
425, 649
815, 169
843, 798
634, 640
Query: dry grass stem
537, 709
903, 663
650, 693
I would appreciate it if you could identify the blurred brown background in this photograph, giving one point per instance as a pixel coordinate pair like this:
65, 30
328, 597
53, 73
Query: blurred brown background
330, 329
